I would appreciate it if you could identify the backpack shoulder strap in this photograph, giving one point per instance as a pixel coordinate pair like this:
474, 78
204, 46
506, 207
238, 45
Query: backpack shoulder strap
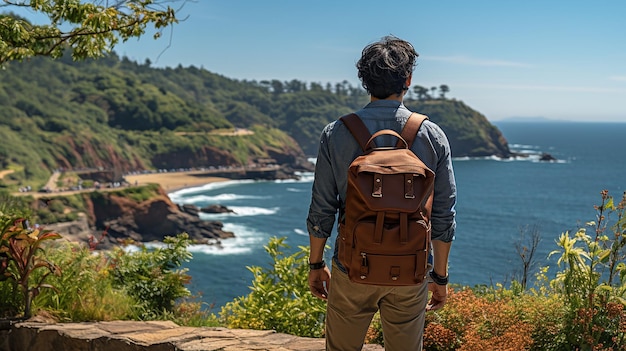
357, 128
409, 132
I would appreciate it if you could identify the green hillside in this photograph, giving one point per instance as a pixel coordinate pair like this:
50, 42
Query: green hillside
113, 113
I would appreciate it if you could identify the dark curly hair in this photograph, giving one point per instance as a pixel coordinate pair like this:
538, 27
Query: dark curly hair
385, 66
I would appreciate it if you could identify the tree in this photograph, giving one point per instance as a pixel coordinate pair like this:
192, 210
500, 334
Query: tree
421, 92
443, 89
89, 29
277, 86
316, 87
526, 248
295, 86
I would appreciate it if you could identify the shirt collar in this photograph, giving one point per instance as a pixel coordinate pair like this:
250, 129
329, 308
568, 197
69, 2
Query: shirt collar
384, 103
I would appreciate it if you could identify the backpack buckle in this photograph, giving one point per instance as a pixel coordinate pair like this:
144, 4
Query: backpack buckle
378, 185
409, 193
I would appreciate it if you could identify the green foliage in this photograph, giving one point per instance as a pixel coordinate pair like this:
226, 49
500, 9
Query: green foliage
123, 284
592, 281
140, 193
192, 313
13, 207
11, 299
87, 28
469, 132
21, 255
154, 277
279, 297
116, 114
85, 285
85, 289
58, 209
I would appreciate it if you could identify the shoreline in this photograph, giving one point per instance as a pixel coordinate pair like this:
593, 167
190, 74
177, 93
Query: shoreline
174, 181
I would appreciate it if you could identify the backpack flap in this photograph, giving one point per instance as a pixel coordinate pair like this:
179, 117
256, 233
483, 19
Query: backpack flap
385, 186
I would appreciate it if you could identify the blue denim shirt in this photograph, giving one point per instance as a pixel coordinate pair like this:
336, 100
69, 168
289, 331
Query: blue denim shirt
338, 149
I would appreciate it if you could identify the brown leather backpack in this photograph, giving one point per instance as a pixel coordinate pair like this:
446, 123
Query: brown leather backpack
385, 235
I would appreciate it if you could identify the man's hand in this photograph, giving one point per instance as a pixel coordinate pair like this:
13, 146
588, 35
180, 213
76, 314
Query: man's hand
439, 296
319, 282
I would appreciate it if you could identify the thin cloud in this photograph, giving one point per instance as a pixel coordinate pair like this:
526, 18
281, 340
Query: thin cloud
529, 87
618, 78
470, 61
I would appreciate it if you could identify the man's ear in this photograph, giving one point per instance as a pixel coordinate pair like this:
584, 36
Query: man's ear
407, 84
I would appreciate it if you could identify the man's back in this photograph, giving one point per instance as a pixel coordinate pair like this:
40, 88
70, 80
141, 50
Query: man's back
385, 69
430, 146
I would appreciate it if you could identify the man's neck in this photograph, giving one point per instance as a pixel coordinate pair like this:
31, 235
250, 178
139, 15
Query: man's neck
395, 97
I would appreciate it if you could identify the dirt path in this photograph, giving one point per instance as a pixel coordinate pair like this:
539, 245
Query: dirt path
5, 172
52, 181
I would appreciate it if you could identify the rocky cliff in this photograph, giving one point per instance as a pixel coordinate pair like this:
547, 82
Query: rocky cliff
470, 133
114, 217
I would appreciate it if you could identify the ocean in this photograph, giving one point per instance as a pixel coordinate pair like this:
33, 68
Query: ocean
498, 199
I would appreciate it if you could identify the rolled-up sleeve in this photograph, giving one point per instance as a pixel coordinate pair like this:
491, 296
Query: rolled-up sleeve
324, 194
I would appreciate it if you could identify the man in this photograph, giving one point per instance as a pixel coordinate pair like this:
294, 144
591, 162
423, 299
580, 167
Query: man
385, 70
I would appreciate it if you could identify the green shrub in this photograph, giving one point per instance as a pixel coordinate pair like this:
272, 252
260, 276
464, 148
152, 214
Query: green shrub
122, 284
56, 206
85, 289
592, 281
45, 216
11, 301
279, 297
22, 257
140, 193
154, 277
191, 312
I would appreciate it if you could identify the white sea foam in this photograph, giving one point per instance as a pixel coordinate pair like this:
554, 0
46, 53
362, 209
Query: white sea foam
131, 248
148, 245
491, 158
300, 232
254, 211
306, 177
287, 180
218, 198
241, 211
303, 177
244, 241
209, 186
523, 146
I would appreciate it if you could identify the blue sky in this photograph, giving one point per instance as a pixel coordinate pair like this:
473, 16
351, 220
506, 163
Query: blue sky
556, 59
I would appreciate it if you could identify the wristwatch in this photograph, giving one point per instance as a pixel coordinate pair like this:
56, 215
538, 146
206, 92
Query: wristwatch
437, 279
317, 265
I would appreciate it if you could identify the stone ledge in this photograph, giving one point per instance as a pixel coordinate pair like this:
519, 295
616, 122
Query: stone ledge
149, 336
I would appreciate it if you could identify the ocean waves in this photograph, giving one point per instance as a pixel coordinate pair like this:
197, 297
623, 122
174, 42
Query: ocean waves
523, 153
241, 211
226, 197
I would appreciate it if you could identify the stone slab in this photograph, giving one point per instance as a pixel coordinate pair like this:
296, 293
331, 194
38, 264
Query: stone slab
151, 336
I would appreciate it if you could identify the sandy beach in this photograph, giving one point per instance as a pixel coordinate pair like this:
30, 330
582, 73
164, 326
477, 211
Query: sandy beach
173, 181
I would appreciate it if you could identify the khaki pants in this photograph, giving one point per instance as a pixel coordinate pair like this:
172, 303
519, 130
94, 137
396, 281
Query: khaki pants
351, 307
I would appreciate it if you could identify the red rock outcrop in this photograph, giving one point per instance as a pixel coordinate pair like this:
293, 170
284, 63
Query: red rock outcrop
150, 220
